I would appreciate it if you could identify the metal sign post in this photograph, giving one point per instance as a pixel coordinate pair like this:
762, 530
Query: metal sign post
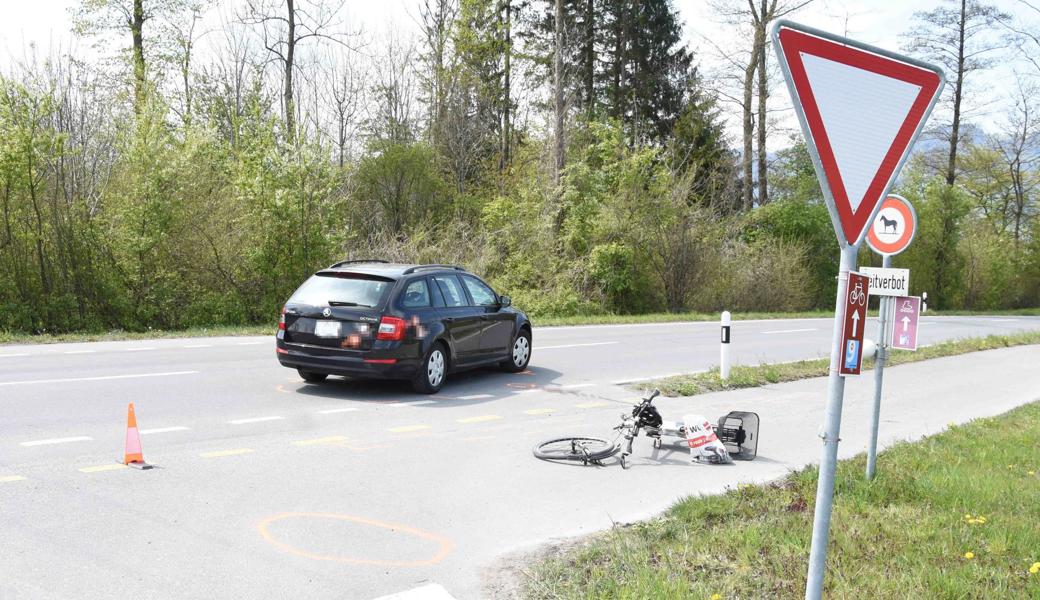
884, 308
831, 431
861, 108
894, 228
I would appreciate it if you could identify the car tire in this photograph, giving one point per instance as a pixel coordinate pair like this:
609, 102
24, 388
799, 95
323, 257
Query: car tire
519, 353
432, 371
311, 376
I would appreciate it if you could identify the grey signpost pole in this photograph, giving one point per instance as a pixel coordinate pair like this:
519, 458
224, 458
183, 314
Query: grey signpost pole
849, 240
884, 308
831, 431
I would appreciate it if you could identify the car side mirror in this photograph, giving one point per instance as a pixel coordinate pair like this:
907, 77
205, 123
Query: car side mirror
504, 301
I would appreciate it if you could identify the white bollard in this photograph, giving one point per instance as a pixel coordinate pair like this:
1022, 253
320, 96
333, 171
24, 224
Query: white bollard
924, 301
727, 319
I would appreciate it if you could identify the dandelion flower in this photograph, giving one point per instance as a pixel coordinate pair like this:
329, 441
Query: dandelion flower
1031, 473
716, 597
981, 519
1035, 569
969, 555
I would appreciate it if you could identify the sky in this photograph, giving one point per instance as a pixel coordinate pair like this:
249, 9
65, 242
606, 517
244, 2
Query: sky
47, 23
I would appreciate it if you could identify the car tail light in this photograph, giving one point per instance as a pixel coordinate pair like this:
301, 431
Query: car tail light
391, 328
281, 321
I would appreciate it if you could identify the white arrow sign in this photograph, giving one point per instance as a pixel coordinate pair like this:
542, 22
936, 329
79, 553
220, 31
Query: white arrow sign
906, 323
855, 322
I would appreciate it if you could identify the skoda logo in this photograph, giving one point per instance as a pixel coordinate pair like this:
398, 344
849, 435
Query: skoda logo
326, 312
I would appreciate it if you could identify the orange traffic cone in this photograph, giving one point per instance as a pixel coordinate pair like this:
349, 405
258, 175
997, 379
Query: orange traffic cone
133, 456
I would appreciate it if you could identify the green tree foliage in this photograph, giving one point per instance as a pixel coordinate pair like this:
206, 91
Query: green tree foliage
118, 212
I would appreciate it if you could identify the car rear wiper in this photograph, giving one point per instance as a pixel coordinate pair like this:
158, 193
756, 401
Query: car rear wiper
343, 303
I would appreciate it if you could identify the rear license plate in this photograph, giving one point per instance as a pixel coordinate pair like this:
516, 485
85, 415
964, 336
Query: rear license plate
327, 329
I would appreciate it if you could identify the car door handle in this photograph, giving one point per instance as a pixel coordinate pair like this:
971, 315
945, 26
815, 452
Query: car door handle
484, 317
448, 319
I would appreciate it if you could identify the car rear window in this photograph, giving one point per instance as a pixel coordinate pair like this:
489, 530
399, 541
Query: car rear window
344, 289
416, 295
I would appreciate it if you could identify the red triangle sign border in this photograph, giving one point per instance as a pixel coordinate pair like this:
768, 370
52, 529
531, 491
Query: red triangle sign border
792, 41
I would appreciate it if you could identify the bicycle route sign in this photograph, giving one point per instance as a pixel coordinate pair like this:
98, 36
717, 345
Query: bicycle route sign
854, 323
861, 109
904, 324
894, 226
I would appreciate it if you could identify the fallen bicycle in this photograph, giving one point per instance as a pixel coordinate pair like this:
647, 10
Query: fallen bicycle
734, 438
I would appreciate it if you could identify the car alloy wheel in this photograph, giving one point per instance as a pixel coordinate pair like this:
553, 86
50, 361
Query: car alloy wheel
435, 368
521, 350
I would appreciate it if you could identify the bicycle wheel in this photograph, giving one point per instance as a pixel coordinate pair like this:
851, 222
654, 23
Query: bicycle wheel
582, 449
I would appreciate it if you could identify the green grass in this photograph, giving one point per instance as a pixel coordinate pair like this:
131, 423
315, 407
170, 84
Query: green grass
51, 338
12, 337
610, 319
754, 376
903, 535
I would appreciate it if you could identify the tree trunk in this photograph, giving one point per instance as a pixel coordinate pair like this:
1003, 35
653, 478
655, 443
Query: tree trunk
590, 55
507, 98
749, 130
287, 93
763, 94
137, 31
558, 92
958, 87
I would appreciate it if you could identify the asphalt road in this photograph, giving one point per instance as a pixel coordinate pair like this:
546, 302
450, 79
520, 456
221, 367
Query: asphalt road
269, 488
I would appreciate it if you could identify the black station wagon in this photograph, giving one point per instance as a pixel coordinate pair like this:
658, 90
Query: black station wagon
374, 319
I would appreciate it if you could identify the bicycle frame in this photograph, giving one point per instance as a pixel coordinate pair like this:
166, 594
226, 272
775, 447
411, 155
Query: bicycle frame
699, 434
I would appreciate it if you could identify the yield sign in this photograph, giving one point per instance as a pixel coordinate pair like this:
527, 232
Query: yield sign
861, 108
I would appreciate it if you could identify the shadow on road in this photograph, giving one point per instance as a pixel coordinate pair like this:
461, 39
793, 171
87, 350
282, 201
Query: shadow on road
457, 390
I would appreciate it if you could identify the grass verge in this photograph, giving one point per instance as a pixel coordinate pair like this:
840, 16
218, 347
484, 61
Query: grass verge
714, 316
151, 334
952, 516
754, 376
10, 337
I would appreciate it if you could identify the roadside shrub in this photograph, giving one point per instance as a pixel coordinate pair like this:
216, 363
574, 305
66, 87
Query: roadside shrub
766, 276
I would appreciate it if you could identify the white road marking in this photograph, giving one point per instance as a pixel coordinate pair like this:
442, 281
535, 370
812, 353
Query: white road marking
79, 351
336, 410
476, 397
11, 478
575, 345
422, 403
100, 378
199, 346
138, 349
576, 385
430, 591
14, 355
528, 391
249, 343
788, 331
255, 420
1002, 320
78, 438
163, 430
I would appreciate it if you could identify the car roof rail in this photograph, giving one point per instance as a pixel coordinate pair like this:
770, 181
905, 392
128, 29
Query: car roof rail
411, 270
356, 261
